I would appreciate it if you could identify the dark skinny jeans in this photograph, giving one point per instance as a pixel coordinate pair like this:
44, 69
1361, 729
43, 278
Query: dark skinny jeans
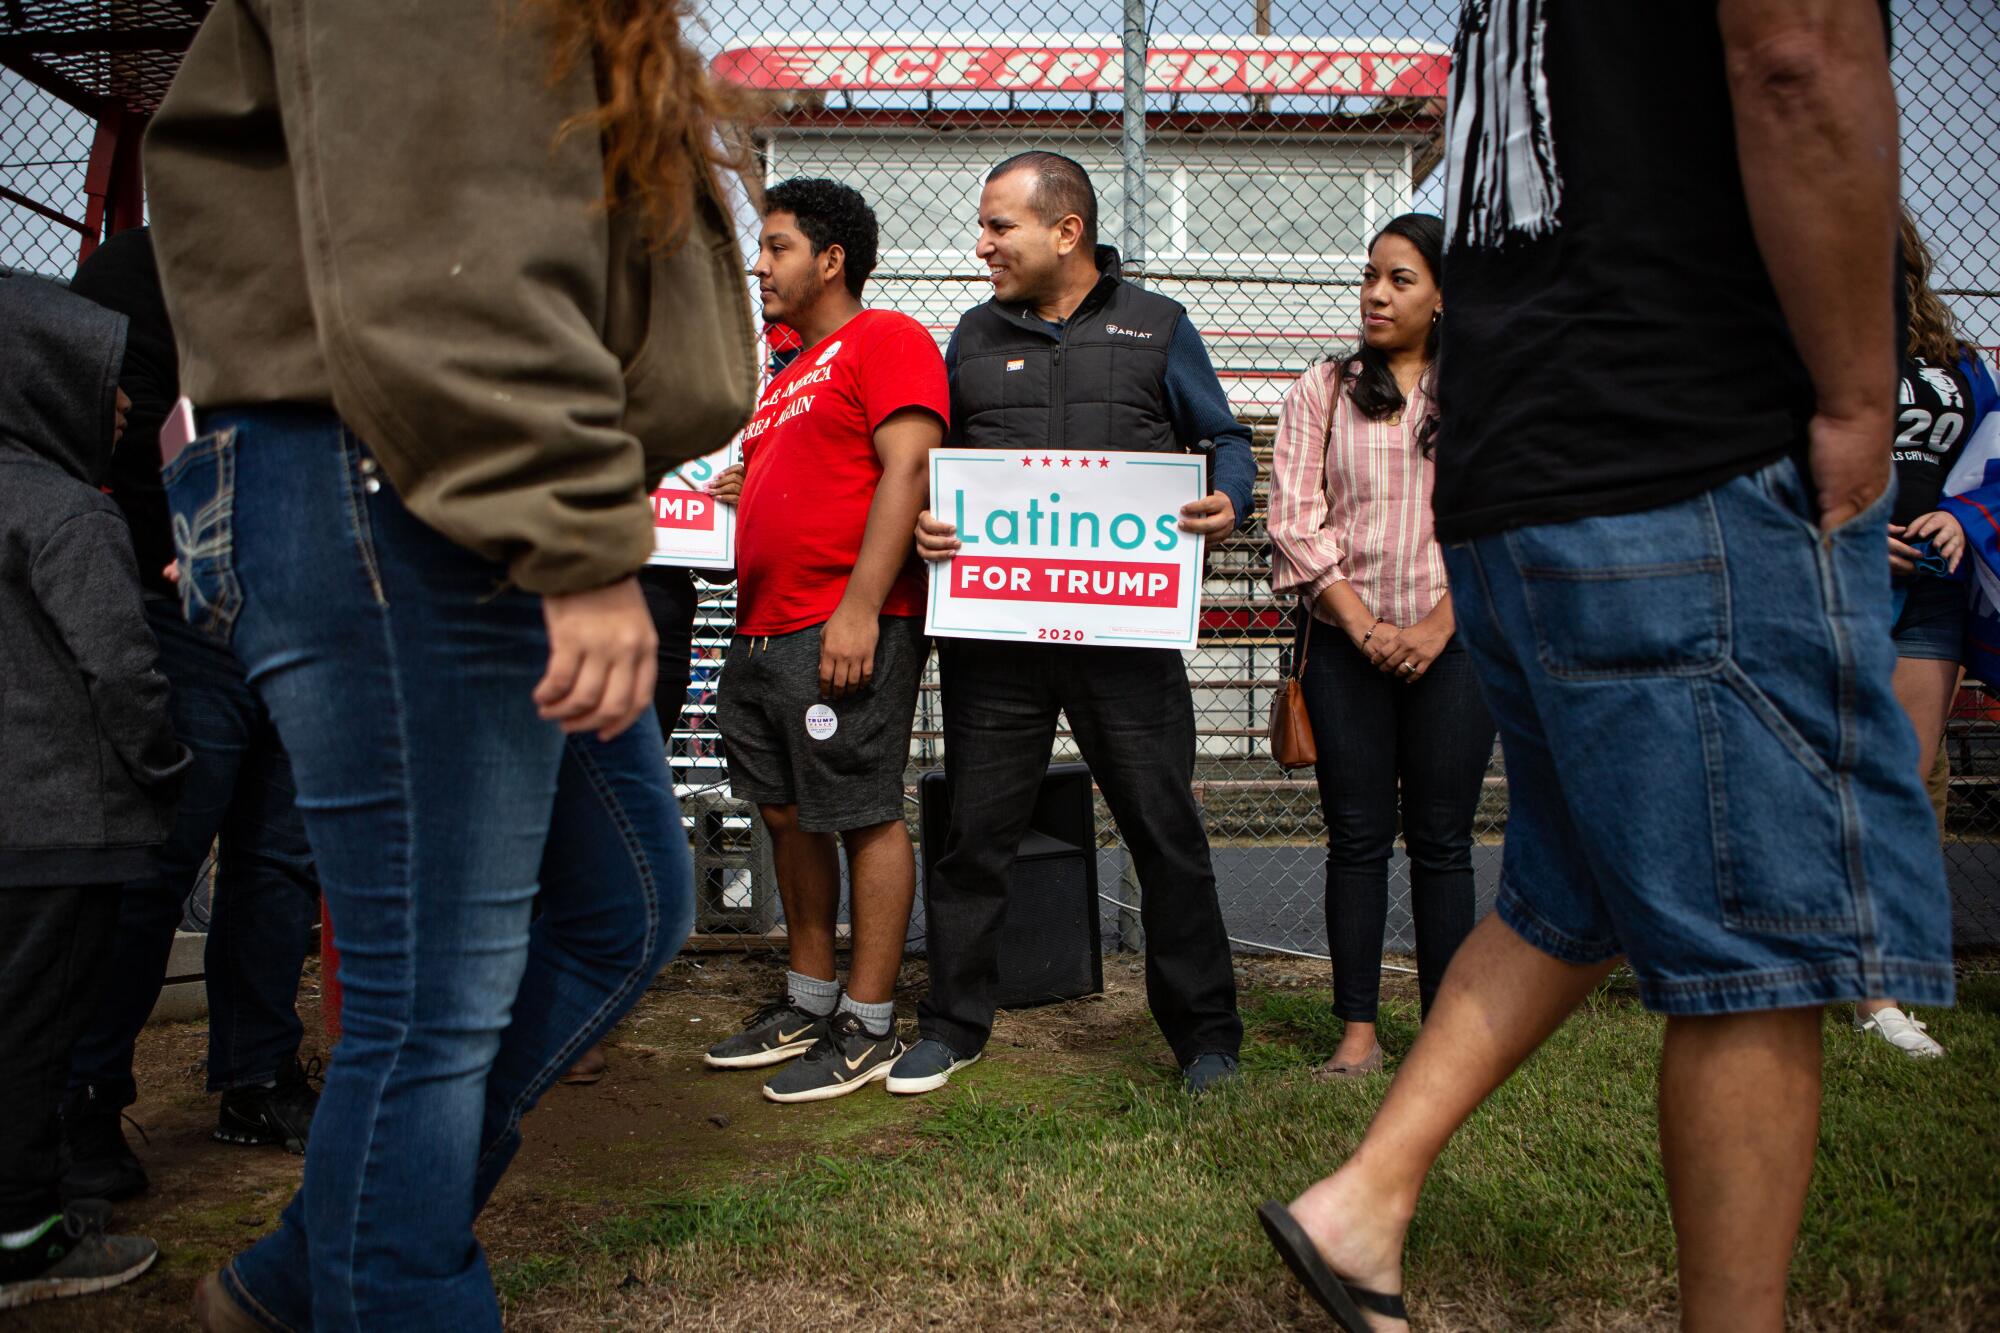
1376, 736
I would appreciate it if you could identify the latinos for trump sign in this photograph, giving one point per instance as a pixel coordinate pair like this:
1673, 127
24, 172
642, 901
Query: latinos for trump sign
689, 526
1067, 547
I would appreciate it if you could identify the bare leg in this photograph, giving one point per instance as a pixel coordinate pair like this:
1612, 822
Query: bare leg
1739, 1122
1357, 1043
882, 879
1924, 687
809, 886
1500, 999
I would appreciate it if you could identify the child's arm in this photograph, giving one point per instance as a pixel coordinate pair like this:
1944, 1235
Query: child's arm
87, 582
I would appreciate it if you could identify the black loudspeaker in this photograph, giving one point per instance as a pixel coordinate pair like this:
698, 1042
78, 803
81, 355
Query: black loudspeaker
1049, 940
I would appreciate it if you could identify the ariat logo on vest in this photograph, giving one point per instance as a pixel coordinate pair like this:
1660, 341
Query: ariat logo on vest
1125, 332
1017, 363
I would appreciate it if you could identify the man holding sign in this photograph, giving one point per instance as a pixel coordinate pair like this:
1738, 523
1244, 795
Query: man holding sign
819, 687
1071, 362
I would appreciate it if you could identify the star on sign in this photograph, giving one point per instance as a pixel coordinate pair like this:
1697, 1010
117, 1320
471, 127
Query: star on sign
1048, 462
1065, 462
1104, 462
1027, 462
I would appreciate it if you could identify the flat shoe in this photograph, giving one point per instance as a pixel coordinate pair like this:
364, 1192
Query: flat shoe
589, 1068
1335, 1294
1362, 1068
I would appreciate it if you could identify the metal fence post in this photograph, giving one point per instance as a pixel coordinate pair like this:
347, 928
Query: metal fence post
1132, 142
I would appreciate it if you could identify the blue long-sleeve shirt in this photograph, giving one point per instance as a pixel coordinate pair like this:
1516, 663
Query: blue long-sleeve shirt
1198, 411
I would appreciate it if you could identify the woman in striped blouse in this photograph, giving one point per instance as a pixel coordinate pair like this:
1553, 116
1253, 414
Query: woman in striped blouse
1395, 706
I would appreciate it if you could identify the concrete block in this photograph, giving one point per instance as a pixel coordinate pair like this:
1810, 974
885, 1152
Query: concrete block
185, 996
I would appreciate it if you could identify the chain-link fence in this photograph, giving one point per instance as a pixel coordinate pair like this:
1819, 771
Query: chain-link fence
1243, 154
44, 161
1276, 139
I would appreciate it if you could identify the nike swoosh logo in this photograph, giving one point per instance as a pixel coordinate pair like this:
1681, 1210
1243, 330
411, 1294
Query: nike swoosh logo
855, 1063
784, 1037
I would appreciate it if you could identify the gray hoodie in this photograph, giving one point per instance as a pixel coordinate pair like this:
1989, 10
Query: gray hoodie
89, 768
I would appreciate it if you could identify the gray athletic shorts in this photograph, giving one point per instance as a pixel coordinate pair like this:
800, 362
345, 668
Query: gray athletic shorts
840, 761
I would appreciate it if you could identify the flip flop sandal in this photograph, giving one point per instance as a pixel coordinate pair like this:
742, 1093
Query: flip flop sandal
1338, 1297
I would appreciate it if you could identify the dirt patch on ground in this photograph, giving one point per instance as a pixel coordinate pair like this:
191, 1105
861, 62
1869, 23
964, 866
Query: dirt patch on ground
657, 1123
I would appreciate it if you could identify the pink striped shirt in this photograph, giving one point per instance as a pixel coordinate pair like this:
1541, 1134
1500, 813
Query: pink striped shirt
1355, 505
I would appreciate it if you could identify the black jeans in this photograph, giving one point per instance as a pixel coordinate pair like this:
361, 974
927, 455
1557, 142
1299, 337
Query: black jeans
1377, 735
1133, 718
266, 898
52, 958
671, 598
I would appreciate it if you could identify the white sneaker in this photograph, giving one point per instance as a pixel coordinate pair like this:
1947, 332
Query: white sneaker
1897, 1028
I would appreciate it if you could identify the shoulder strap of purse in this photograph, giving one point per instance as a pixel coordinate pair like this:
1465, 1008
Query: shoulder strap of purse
1326, 442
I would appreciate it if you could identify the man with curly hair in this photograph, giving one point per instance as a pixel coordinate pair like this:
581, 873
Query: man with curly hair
819, 688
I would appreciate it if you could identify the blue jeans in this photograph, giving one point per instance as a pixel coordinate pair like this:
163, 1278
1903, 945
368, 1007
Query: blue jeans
266, 899
1707, 769
399, 667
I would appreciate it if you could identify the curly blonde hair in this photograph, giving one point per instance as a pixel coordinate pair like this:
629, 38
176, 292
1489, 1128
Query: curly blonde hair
1933, 331
669, 130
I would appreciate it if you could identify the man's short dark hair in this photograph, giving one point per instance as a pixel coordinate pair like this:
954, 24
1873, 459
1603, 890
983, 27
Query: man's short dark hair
830, 213
1062, 187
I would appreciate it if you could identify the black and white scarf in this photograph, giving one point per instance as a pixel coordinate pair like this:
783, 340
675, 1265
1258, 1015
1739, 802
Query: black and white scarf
1502, 180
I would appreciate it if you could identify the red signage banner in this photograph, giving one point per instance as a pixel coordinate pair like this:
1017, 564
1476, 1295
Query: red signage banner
1096, 582
1273, 66
690, 510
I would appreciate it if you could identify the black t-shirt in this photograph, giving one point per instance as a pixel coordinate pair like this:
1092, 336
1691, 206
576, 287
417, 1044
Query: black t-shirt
1933, 419
1612, 341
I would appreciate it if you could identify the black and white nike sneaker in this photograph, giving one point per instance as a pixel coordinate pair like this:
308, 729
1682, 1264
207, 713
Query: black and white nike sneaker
772, 1035
847, 1057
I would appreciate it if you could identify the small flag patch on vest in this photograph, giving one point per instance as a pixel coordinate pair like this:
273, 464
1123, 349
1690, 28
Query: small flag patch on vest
1017, 363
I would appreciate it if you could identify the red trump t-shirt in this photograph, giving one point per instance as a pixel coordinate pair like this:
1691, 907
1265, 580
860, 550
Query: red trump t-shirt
810, 471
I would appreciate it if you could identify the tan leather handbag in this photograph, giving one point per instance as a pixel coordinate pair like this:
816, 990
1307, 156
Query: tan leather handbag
1292, 743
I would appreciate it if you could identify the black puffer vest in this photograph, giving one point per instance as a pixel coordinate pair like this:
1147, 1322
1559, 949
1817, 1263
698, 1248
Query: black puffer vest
1097, 384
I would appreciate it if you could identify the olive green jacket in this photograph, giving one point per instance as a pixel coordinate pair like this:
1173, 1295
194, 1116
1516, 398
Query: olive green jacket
366, 203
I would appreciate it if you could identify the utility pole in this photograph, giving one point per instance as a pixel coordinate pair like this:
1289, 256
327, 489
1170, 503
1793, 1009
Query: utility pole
1260, 22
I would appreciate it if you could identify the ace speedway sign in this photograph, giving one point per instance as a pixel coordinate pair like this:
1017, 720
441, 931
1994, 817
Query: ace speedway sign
1063, 547
689, 527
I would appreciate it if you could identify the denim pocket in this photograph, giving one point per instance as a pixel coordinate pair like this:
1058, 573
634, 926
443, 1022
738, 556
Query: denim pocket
1627, 595
201, 495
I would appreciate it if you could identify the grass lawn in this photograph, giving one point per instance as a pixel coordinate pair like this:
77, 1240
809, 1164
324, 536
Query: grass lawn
1075, 1186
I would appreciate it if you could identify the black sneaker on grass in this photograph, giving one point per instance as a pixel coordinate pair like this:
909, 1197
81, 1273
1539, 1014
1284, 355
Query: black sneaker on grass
926, 1067
1207, 1072
71, 1256
845, 1058
97, 1162
280, 1115
772, 1035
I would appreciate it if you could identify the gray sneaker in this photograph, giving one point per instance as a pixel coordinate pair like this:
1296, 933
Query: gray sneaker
72, 1257
771, 1036
845, 1058
926, 1067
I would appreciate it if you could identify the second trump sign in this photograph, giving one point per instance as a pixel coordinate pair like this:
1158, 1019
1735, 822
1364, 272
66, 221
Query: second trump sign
1066, 547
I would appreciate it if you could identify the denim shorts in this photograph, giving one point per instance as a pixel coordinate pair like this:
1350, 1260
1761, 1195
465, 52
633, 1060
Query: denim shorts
1707, 770
1930, 619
